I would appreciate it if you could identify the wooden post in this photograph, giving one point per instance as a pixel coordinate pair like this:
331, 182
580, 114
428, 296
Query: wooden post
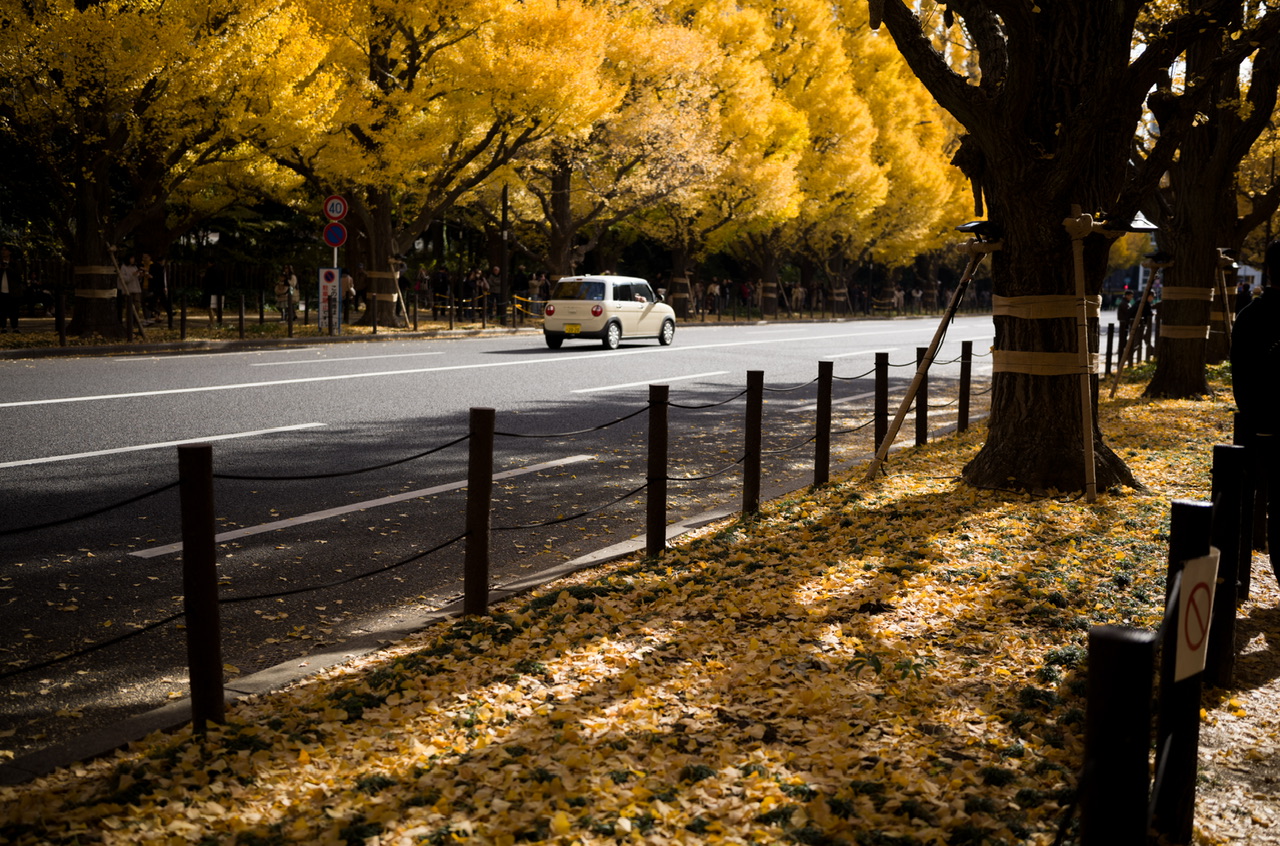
1251, 509
1111, 340
880, 428
1117, 736
479, 497
1078, 227
1178, 720
751, 463
656, 503
922, 399
1228, 501
822, 426
966, 385
241, 319
200, 584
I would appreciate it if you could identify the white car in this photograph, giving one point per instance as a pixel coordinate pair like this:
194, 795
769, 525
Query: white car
608, 309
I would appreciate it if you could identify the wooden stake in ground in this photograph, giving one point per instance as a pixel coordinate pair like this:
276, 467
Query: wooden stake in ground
976, 249
1078, 227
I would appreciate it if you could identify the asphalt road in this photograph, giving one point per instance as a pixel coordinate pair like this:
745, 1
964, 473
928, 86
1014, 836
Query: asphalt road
345, 548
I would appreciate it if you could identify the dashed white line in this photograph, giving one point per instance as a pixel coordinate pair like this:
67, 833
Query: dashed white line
649, 382
140, 447
316, 516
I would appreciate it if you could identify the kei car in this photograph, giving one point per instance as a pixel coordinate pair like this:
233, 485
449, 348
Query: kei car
607, 309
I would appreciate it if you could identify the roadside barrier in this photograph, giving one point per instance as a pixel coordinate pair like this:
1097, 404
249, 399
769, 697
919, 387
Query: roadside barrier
197, 477
1122, 798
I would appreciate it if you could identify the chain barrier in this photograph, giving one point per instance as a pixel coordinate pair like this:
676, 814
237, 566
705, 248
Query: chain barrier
85, 516
340, 473
736, 396
559, 520
578, 432
719, 472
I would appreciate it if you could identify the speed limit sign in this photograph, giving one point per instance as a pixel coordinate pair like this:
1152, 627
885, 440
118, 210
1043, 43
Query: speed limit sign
335, 207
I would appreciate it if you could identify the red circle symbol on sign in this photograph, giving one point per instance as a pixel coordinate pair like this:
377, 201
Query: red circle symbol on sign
335, 207
1195, 626
335, 235
330, 276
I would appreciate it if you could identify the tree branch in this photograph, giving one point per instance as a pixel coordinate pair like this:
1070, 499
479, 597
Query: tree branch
950, 89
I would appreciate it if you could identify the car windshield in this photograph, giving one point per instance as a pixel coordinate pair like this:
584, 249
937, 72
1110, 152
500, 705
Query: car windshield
578, 289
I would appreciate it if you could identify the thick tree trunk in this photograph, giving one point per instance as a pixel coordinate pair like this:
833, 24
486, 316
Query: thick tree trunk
96, 296
383, 293
1181, 347
560, 253
1036, 429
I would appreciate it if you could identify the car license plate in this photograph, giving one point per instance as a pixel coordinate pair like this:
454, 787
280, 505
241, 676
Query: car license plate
572, 328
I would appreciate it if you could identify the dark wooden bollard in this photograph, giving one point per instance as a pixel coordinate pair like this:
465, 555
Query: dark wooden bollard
200, 584
1178, 720
751, 462
1117, 736
475, 566
966, 385
922, 400
881, 425
822, 430
656, 503
1228, 522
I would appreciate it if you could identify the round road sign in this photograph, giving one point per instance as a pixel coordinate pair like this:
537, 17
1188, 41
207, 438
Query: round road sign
335, 207
335, 234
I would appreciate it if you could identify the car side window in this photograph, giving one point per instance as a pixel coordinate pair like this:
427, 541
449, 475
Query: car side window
645, 294
621, 293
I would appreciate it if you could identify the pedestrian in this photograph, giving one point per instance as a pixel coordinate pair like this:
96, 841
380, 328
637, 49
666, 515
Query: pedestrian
1255, 363
286, 291
13, 286
1244, 293
131, 285
215, 288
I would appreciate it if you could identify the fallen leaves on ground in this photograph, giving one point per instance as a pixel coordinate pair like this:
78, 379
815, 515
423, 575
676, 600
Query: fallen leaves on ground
900, 663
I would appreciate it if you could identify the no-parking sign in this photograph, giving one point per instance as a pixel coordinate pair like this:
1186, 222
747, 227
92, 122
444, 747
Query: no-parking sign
335, 235
1195, 613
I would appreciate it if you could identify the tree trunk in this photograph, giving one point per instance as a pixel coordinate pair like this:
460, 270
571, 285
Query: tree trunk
1035, 440
96, 295
560, 253
383, 293
1184, 312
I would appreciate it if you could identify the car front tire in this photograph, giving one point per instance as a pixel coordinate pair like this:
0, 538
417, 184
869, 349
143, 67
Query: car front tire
668, 333
612, 336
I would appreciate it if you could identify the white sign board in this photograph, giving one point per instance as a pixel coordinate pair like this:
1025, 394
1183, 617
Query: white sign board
330, 306
1195, 612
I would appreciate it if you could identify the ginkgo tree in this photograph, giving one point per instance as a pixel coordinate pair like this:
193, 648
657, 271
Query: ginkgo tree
422, 103
1198, 201
841, 180
1049, 123
120, 103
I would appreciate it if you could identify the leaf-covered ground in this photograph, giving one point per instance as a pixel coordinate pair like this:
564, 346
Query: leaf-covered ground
895, 663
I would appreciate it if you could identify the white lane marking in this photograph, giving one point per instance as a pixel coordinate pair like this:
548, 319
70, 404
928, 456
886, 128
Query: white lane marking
302, 380
184, 356
865, 352
161, 445
316, 516
834, 402
649, 382
346, 358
